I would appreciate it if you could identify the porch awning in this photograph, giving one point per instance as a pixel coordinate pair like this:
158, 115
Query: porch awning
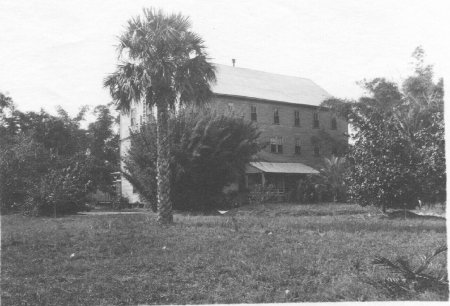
292, 168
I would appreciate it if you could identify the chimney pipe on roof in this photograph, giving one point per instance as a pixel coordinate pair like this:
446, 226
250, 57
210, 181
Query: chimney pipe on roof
234, 61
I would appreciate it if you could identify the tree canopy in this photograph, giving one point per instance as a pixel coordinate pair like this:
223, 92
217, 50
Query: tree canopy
48, 160
398, 155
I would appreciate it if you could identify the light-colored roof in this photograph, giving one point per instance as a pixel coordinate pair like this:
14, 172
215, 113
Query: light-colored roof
268, 86
294, 168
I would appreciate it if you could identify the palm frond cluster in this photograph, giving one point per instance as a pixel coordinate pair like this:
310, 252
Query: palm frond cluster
406, 280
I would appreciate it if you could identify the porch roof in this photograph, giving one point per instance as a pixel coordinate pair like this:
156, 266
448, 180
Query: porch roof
292, 168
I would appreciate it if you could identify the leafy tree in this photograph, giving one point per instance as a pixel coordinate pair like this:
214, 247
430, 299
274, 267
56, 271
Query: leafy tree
398, 154
104, 148
61, 189
38, 152
163, 63
208, 152
5, 102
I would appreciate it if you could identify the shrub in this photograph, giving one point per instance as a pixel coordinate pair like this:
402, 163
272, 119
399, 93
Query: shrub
312, 189
121, 203
262, 194
407, 280
22, 163
61, 190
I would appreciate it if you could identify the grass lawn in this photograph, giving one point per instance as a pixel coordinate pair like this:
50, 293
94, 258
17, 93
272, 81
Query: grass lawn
316, 252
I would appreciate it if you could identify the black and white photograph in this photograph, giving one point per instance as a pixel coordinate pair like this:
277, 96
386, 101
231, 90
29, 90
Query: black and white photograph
184, 152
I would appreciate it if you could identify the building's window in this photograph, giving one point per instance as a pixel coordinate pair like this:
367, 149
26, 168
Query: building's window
298, 148
296, 118
316, 120
276, 145
253, 113
333, 123
134, 189
133, 117
280, 144
230, 107
273, 145
316, 150
144, 111
276, 117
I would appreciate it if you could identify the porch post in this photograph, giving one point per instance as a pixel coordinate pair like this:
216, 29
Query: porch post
246, 180
263, 179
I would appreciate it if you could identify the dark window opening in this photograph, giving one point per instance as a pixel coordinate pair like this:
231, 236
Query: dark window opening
316, 151
273, 148
316, 120
297, 118
133, 117
273, 145
280, 148
253, 113
276, 145
298, 148
276, 117
333, 124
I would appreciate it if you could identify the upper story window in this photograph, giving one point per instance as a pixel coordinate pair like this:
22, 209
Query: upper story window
298, 148
276, 144
316, 120
276, 116
333, 123
133, 117
297, 118
253, 113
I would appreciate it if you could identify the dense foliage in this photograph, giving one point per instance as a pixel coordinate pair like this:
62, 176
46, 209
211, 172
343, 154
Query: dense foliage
208, 152
398, 155
332, 174
48, 164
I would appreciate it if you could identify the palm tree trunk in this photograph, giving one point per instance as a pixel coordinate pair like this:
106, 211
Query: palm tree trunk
163, 165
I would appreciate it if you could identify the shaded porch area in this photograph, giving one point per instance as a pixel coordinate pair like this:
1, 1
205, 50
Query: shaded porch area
282, 177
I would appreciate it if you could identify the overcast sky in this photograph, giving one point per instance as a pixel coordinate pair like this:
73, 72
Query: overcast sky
58, 52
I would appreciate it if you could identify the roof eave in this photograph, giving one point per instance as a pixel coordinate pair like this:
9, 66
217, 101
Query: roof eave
269, 101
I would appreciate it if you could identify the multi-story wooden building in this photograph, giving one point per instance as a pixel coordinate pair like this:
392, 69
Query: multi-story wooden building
288, 113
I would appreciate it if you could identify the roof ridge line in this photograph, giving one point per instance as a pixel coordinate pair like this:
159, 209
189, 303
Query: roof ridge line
262, 71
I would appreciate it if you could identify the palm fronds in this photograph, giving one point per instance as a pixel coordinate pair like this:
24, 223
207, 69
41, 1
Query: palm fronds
405, 279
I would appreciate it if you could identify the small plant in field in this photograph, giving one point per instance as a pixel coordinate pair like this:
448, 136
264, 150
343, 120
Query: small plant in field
406, 280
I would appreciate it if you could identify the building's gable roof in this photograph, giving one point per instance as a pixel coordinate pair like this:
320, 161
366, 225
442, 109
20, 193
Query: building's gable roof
249, 83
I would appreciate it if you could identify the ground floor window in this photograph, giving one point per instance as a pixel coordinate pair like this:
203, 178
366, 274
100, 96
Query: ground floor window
298, 149
316, 150
276, 144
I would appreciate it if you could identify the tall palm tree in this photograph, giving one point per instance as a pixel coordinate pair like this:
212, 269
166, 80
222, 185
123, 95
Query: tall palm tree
163, 64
